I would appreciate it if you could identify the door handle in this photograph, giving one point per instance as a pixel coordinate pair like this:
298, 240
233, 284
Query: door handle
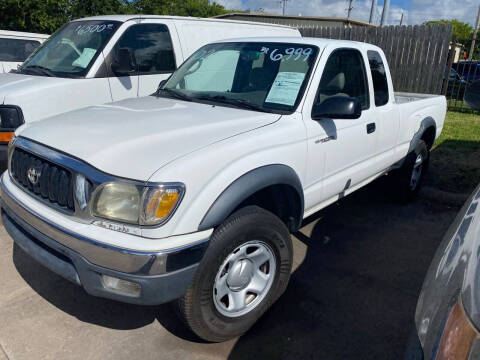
371, 128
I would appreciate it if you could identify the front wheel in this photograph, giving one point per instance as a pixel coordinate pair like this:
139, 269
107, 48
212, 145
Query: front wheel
245, 269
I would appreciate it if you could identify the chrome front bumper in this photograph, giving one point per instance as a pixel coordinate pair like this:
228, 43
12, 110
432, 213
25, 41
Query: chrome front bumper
163, 276
115, 258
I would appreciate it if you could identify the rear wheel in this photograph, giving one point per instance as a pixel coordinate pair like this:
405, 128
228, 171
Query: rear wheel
409, 178
245, 269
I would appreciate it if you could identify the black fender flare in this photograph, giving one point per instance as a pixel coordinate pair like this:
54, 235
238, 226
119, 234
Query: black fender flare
426, 123
245, 186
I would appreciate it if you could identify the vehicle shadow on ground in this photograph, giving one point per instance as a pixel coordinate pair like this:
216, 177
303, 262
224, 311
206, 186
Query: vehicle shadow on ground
73, 300
355, 293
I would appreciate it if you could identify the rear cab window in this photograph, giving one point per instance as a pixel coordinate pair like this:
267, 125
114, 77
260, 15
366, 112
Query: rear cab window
379, 77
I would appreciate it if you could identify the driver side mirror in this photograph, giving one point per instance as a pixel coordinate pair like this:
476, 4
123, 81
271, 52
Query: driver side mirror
337, 107
124, 63
162, 84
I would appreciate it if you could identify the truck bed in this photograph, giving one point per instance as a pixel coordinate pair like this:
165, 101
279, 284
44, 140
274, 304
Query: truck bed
402, 98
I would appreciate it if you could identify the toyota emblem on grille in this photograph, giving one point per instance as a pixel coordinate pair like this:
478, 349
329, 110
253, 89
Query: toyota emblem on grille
33, 175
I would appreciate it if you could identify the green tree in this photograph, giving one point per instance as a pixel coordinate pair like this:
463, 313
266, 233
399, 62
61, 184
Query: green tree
461, 30
198, 8
45, 16
84, 8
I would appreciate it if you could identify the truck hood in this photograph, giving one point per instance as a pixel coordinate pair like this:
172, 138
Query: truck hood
134, 138
12, 84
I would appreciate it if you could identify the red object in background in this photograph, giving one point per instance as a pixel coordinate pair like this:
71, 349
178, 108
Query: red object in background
465, 55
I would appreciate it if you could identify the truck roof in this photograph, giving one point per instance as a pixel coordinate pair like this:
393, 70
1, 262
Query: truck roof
320, 42
23, 34
124, 18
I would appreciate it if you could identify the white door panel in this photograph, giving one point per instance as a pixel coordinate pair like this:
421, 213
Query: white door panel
123, 87
148, 84
347, 152
341, 152
386, 114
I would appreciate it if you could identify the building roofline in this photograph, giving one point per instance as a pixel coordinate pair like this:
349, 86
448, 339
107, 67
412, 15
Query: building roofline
295, 17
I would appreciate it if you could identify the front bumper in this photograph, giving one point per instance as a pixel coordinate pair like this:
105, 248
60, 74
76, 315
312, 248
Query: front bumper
162, 276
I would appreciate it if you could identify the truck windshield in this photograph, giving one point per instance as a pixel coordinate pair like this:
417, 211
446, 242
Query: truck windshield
71, 51
269, 77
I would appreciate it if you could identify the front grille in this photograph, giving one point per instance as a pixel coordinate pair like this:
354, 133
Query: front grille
51, 183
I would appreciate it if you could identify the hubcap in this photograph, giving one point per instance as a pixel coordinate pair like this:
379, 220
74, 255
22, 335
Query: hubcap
244, 279
416, 172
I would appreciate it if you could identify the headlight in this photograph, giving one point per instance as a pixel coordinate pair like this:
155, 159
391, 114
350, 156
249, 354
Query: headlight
11, 117
135, 204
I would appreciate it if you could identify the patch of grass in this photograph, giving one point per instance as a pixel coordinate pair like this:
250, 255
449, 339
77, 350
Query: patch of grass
461, 130
455, 161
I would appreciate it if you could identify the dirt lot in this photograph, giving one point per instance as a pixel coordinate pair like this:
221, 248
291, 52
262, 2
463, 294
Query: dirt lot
359, 267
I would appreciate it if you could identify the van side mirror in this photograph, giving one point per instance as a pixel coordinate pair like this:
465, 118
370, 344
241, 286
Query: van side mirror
124, 63
162, 83
337, 107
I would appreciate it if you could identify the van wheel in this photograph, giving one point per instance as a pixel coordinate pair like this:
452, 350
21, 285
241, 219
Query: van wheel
409, 178
245, 269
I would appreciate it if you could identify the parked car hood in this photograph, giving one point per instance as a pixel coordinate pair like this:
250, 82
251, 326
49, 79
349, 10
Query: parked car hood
133, 138
12, 84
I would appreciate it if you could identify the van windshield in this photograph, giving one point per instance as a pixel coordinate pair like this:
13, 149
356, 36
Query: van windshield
269, 77
71, 51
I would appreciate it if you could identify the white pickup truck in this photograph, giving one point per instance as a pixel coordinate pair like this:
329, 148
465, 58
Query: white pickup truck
102, 59
192, 193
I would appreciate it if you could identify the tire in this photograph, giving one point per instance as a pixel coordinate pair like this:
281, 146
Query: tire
409, 178
236, 249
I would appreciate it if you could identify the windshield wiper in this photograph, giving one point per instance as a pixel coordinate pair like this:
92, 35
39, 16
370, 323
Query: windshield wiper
174, 93
241, 103
39, 70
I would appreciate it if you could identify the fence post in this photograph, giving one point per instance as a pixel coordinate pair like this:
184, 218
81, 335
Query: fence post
451, 57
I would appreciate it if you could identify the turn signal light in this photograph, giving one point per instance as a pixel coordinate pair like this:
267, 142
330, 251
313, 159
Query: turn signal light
5, 137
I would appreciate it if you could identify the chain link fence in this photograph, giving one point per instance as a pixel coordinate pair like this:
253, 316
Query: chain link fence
461, 81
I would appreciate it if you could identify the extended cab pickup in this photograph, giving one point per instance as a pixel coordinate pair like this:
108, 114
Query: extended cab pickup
192, 193
102, 59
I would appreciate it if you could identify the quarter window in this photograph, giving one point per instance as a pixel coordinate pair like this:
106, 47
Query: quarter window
379, 76
344, 75
16, 50
152, 47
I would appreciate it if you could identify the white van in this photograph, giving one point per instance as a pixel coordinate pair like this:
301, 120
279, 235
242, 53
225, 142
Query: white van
16, 46
101, 59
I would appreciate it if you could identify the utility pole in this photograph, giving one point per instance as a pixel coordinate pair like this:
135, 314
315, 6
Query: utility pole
373, 10
401, 20
284, 5
350, 8
386, 7
474, 40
